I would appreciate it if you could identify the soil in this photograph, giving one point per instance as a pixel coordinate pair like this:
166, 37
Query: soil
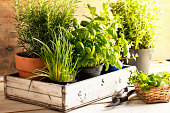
28, 55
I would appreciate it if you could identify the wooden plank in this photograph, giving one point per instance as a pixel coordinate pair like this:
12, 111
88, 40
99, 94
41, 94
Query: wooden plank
1, 87
19, 107
7, 106
1, 83
51, 100
1, 79
35, 111
97, 88
35, 86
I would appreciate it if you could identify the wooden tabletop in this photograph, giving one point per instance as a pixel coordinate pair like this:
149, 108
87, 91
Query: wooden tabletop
134, 105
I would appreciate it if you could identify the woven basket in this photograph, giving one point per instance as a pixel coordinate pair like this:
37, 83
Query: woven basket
155, 95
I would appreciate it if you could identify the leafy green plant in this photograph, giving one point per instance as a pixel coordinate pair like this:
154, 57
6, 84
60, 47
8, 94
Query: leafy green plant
38, 18
149, 80
140, 21
58, 59
98, 41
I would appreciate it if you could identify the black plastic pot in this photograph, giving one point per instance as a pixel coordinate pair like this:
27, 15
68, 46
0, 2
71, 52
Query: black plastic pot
142, 62
65, 83
55, 82
89, 72
111, 69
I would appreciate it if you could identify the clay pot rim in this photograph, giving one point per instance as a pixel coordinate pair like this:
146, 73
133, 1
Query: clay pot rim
17, 54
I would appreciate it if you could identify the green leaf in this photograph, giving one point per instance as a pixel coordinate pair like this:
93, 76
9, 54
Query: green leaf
99, 18
87, 17
92, 9
125, 49
153, 83
93, 50
119, 64
158, 83
106, 63
92, 31
88, 5
144, 86
83, 34
143, 76
75, 23
110, 31
88, 50
79, 46
84, 23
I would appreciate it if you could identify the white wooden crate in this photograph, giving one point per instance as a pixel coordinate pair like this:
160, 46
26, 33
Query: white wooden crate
65, 97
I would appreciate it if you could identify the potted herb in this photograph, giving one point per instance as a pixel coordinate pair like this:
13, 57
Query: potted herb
38, 19
58, 60
140, 25
151, 88
96, 43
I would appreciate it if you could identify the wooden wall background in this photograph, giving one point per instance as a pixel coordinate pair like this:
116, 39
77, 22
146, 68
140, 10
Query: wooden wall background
8, 42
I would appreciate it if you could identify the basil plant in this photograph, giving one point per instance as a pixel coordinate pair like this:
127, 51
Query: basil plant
98, 41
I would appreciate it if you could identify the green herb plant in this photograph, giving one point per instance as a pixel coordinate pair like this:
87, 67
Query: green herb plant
96, 41
140, 21
58, 59
149, 80
38, 18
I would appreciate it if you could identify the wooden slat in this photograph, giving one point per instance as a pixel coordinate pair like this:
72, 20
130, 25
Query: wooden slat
35, 86
7, 106
96, 88
34, 96
1, 78
1, 83
1, 87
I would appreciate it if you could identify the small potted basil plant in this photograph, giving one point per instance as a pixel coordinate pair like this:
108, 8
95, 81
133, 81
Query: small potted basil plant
96, 43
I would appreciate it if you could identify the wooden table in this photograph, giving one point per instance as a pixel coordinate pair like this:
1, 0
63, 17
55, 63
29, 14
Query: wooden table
134, 105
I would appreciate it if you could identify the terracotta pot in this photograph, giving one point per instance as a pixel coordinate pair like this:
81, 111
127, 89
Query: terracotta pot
26, 66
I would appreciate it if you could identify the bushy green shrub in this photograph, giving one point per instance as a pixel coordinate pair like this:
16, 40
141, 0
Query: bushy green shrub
39, 18
140, 21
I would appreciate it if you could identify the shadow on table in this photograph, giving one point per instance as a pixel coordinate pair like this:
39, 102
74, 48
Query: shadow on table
133, 101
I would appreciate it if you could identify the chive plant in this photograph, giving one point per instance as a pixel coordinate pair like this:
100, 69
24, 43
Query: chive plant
58, 59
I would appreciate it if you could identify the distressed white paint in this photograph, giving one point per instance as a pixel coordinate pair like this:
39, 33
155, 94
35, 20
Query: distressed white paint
73, 95
34, 86
34, 96
96, 88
